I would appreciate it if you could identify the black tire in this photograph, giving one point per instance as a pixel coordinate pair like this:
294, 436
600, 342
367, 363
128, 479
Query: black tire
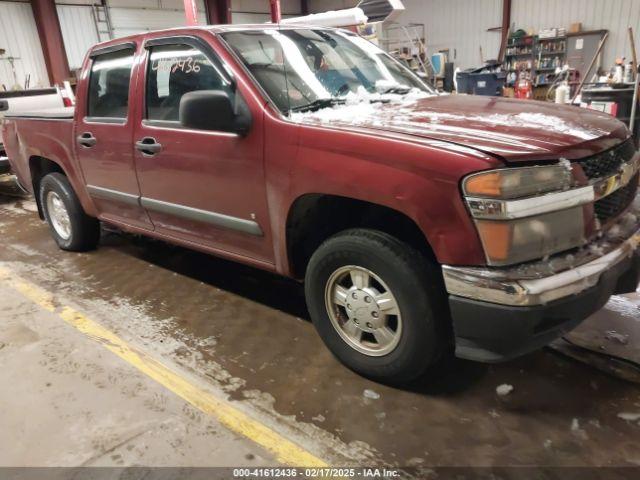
417, 285
84, 230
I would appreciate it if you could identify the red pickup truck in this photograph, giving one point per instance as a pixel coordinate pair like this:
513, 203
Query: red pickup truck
421, 223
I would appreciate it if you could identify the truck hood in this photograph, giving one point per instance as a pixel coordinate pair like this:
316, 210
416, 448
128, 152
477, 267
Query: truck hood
512, 130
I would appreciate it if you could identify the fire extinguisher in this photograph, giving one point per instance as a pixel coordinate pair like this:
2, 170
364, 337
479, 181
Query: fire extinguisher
523, 87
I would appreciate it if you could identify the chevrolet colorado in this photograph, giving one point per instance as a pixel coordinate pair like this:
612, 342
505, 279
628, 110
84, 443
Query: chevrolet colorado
421, 223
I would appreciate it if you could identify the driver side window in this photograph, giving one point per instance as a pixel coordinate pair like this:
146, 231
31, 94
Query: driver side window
173, 71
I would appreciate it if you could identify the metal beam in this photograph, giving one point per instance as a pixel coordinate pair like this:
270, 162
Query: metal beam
218, 11
48, 25
191, 12
276, 12
506, 26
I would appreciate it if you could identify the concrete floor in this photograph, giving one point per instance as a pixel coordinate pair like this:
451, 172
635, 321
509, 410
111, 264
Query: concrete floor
69, 402
247, 334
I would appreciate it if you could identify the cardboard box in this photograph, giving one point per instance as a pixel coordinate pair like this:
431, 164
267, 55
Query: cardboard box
575, 27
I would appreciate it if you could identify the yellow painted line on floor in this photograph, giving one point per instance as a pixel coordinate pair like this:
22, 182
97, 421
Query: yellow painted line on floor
284, 450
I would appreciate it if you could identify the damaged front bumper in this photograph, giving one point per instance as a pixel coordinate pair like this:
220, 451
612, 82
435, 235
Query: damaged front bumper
501, 313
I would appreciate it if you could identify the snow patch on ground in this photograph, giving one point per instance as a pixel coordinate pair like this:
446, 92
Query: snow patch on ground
614, 336
577, 430
629, 417
370, 394
504, 389
624, 307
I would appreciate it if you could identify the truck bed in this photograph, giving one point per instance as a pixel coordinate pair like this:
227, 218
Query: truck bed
60, 113
38, 133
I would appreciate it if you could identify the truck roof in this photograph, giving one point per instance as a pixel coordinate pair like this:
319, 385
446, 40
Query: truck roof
215, 29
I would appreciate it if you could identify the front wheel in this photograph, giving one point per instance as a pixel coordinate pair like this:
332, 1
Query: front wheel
71, 227
378, 304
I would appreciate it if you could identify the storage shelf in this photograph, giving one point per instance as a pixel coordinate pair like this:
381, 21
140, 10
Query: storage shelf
539, 54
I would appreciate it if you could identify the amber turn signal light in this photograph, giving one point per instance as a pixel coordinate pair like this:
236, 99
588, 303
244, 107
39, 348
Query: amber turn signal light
496, 239
487, 185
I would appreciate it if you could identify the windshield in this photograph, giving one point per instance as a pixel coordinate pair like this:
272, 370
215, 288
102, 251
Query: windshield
303, 69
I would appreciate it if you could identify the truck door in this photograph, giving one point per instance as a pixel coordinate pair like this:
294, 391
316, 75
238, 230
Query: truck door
104, 136
206, 188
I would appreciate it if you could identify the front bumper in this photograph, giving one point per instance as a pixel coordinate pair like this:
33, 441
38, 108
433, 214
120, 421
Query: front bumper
487, 332
499, 314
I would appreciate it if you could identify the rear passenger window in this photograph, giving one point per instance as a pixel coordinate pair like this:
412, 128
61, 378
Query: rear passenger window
109, 84
174, 70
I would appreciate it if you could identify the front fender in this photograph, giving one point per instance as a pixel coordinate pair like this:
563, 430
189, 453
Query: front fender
419, 179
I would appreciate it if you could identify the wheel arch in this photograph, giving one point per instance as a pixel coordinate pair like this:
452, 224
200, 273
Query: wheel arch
314, 217
39, 167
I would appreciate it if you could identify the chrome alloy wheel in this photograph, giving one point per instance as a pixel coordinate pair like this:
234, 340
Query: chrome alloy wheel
58, 215
363, 310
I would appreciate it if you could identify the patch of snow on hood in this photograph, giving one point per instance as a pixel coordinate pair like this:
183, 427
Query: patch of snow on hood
520, 120
494, 125
361, 106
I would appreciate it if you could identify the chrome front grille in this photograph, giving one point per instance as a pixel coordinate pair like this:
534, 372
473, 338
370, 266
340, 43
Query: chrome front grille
613, 205
608, 163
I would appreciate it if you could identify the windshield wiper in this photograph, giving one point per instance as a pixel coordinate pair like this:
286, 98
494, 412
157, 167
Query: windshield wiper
399, 90
319, 104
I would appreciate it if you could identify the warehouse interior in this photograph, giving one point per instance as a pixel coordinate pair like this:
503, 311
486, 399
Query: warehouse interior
477, 175
463, 28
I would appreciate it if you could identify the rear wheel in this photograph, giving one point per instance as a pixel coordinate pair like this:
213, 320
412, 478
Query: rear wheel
71, 227
378, 304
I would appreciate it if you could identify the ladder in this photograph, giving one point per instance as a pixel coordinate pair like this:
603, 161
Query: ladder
415, 40
102, 21
410, 37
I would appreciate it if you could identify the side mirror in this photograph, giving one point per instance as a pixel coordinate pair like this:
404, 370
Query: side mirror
214, 110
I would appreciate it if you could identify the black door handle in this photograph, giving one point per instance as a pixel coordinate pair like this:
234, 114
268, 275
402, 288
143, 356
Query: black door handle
87, 140
148, 146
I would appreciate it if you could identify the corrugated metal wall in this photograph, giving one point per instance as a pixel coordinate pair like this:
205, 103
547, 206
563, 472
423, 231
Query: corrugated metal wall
613, 15
79, 32
136, 16
257, 11
18, 34
462, 24
458, 25
19, 37
324, 5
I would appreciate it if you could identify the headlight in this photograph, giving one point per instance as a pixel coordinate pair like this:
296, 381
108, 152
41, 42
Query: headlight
517, 182
524, 214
